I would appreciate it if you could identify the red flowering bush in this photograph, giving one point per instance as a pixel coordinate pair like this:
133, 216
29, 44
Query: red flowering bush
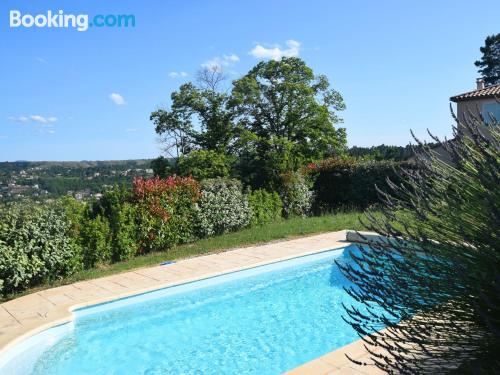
166, 210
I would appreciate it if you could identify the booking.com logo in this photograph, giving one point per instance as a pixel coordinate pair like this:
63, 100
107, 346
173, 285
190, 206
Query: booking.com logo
79, 22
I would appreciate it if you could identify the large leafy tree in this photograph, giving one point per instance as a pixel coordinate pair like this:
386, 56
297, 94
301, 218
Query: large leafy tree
490, 61
286, 116
198, 117
434, 282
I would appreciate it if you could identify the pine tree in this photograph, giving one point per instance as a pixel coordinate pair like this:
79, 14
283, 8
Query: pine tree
490, 61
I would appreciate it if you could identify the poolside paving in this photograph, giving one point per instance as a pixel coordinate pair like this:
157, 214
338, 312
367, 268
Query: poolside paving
24, 316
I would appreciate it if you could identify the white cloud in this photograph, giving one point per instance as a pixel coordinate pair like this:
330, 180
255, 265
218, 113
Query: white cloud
40, 60
18, 118
231, 58
276, 52
219, 62
35, 118
130, 130
38, 118
43, 120
177, 74
117, 98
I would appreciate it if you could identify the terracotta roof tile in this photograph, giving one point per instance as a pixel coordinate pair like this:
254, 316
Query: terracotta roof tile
487, 92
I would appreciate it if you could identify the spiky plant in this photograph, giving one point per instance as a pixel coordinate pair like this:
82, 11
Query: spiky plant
434, 282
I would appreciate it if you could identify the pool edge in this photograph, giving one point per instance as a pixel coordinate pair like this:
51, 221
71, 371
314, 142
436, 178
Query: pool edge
64, 314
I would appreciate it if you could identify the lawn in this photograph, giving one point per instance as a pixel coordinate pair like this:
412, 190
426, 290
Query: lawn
279, 230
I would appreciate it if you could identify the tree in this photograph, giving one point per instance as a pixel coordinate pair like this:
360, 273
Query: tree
289, 114
194, 106
203, 164
490, 61
162, 167
434, 281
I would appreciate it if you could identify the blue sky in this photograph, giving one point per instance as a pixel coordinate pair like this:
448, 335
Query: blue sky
395, 62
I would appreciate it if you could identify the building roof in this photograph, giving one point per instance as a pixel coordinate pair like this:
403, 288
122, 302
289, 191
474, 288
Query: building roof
487, 92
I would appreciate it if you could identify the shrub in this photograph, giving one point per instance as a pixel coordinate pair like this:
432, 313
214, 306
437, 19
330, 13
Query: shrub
222, 207
266, 207
75, 212
295, 195
203, 164
96, 242
165, 210
443, 264
343, 182
125, 232
35, 245
116, 205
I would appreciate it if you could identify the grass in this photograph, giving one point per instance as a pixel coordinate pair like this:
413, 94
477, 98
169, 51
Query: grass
279, 230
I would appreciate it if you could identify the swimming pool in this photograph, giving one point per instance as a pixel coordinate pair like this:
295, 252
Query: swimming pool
264, 320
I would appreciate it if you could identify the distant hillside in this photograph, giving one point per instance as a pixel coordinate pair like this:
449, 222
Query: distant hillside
22, 164
81, 179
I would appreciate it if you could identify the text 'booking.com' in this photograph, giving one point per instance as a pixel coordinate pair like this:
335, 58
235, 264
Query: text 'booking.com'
60, 19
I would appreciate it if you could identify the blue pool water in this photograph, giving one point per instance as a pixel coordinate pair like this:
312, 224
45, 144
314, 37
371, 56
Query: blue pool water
264, 322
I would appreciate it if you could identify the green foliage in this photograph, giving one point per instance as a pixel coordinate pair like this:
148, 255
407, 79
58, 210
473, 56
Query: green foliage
203, 164
116, 206
192, 105
96, 242
162, 167
276, 230
382, 152
222, 207
266, 207
490, 61
291, 113
75, 213
295, 194
441, 266
346, 182
35, 245
125, 232
278, 117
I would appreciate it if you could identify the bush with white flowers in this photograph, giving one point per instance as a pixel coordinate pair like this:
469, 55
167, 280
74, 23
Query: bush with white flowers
296, 196
222, 207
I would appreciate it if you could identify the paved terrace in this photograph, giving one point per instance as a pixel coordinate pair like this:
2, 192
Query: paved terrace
24, 316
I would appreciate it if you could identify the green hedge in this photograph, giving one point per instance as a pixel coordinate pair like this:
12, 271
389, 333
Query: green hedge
266, 206
339, 183
35, 245
40, 243
118, 207
96, 242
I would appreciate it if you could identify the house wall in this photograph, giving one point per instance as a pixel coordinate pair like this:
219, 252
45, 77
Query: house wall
474, 106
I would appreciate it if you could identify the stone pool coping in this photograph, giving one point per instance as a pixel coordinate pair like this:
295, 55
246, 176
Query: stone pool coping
36, 312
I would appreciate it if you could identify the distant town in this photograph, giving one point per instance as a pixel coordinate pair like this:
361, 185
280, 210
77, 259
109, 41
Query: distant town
82, 180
